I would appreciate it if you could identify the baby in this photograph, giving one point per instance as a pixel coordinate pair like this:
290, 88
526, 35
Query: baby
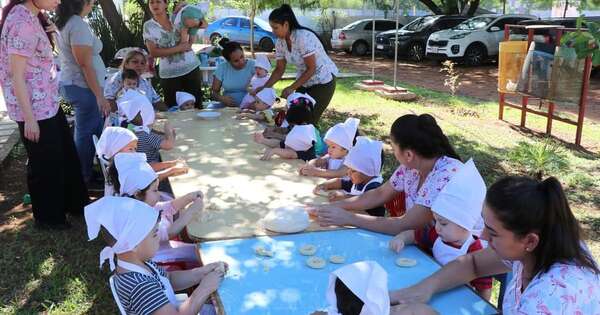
191, 17
261, 110
262, 66
185, 100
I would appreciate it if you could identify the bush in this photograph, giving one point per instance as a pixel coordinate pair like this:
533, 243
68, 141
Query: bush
539, 159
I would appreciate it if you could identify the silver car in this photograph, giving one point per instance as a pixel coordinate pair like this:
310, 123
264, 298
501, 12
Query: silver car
357, 37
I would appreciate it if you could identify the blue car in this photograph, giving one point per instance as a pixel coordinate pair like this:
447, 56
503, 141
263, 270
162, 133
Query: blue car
237, 28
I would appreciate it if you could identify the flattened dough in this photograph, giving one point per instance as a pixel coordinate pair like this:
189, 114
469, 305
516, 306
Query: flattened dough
261, 251
337, 259
308, 250
322, 193
316, 262
406, 262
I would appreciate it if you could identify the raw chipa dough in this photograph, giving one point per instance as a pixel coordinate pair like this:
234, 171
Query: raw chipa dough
322, 192
337, 259
406, 262
289, 219
261, 251
316, 262
308, 250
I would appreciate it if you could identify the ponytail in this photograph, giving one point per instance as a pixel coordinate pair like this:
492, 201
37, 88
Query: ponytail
285, 14
526, 205
41, 18
423, 135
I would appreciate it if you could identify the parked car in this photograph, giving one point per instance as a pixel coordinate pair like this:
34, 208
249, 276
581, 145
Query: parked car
237, 28
412, 38
357, 37
472, 41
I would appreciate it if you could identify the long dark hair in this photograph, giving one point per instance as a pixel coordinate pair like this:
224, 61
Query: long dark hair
41, 17
229, 48
423, 135
66, 9
526, 205
285, 14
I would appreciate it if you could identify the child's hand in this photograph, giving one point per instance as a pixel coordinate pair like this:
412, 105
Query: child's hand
212, 280
318, 189
194, 195
259, 138
178, 170
197, 206
336, 195
268, 155
216, 266
309, 170
397, 243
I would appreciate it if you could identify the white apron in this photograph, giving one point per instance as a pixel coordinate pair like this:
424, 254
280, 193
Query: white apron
167, 288
334, 164
444, 253
356, 192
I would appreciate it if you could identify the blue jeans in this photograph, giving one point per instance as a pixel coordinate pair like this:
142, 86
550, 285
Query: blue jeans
88, 122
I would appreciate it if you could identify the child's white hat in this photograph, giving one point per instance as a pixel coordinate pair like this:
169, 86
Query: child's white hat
133, 102
184, 97
112, 140
343, 133
128, 220
365, 156
262, 61
368, 281
267, 96
294, 96
301, 137
135, 173
461, 200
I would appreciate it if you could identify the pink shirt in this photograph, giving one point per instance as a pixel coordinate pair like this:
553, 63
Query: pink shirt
23, 35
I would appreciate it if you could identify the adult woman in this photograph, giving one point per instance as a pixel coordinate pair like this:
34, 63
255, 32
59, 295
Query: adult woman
30, 88
178, 65
427, 162
134, 60
299, 45
232, 76
531, 231
82, 77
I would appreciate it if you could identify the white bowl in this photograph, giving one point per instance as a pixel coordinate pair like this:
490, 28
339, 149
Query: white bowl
208, 115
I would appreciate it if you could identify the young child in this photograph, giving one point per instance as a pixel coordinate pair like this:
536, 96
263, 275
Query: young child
262, 67
114, 140
261, 110
141, 286
364, 171
185, 100
339, 139
282, 127
191, 17
457, 214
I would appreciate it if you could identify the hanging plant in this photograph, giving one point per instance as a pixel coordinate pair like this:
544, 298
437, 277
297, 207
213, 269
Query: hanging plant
585, 42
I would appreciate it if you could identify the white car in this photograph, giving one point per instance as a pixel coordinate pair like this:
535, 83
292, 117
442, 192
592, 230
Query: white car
474, 40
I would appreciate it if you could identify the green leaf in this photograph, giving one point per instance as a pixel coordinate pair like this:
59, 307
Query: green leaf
596, 58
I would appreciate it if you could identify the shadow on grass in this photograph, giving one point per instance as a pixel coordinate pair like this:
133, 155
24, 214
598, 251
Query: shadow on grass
591, 225
578, 151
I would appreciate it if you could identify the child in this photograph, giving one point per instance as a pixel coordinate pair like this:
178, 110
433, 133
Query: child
364, 171
457, 214
261, 110
339, 139
282, 127
185, 100
191, 18
114, 140
262, 66
139, 285
130, 79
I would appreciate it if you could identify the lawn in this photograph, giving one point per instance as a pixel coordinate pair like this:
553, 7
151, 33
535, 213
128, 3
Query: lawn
57, 273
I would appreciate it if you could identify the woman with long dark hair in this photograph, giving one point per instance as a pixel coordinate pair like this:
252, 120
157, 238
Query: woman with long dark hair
532, 232
301, 46
232, 76
30, 88
82, 77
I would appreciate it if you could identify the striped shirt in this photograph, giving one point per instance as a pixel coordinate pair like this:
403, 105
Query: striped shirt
149, 143
141, 294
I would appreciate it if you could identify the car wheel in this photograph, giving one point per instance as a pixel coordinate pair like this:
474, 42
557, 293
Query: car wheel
475, 55
360, 48
215, 38
266, 44
416, 52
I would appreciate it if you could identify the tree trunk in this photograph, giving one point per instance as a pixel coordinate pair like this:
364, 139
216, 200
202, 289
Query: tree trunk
252, 14
115, 21
432, 6
566, 7
473, 5
142, 4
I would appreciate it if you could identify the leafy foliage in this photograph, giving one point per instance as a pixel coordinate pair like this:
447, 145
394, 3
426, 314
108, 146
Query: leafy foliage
586, 43
539, 159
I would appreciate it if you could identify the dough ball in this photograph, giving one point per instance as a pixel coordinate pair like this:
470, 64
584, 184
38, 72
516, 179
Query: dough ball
289, 219
406, 262
261, 251
308, 250
316, 262
337, 259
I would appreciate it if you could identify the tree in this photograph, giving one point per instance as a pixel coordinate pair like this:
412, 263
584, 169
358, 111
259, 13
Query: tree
115, 21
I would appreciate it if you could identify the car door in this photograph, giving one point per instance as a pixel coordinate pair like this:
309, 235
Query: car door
495, 34
229, 29
244, 31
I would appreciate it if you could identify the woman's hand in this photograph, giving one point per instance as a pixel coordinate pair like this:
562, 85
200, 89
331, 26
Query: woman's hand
287, 91
397, 243
103, 105
184, 35
51, 28
32, 130
184, 46
331, 215
417, 293
227, 101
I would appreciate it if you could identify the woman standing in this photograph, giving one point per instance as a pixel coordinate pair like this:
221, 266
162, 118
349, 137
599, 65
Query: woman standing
232, 76
299, 45
30, 87
178, 65
82, 77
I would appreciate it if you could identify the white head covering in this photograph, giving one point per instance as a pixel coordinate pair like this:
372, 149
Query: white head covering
267, 96
128, 220
112, 140
343, 133
365, 156
294, 96
301, 137
262, 61
462, 198
135, 173
368, 281
133, 102
183, 97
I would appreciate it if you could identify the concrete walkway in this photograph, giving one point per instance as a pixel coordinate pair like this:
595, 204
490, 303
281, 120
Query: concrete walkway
9, 135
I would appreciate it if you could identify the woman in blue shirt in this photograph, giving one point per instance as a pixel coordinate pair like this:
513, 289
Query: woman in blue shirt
232, 76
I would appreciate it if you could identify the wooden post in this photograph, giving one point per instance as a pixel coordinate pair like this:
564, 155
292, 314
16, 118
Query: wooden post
525, 99
501, 96
549, 118
587, 69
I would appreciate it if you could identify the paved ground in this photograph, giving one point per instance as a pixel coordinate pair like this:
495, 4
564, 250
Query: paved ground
9, 135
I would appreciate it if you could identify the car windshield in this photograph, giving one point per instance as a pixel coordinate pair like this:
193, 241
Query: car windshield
263, 24
351, 25
475, 23
420, 24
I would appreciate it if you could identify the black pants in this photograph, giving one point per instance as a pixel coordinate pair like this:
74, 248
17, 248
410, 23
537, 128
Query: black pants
322, 93
53, 172
191, 83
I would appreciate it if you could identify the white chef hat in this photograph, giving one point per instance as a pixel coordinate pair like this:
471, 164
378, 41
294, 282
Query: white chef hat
343, 133
183, 97
365, 156
262, 61
267, 96
112, 140
127, 220
294, 96
135, 173
368, 281
301, 137
133, 102
462, 198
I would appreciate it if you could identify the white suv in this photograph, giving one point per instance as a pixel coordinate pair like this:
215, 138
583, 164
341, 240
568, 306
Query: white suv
472, 41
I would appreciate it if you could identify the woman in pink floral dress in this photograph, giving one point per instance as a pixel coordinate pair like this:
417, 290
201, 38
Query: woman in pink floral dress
29, 84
